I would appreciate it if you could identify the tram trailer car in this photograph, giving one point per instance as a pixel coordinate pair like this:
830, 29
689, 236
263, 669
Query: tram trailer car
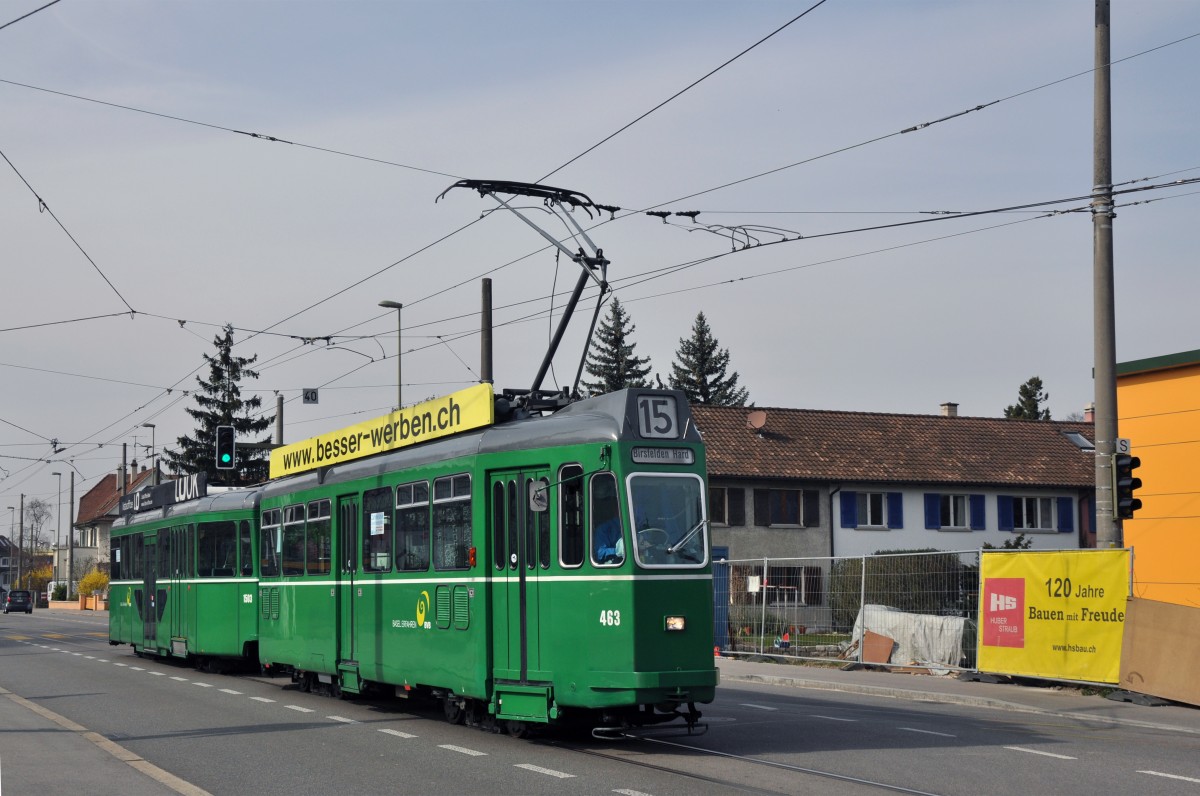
476, 569
184, 579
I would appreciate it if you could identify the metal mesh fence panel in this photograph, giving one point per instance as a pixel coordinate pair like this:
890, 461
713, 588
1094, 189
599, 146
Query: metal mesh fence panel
905, 609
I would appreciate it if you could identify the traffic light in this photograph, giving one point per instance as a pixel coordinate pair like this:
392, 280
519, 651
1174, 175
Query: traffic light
226, 448
1124, 483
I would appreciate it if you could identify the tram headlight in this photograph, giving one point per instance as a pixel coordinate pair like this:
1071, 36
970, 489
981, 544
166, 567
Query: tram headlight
676, 623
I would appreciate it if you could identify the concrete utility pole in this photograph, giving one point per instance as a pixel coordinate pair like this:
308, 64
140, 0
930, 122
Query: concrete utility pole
1108, 531
71, 536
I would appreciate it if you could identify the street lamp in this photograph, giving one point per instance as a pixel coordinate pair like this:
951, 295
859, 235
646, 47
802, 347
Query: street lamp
153, 461
57, 528
397, 306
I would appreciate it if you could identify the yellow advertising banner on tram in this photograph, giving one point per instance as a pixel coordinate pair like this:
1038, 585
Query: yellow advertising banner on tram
1054, 614
464, 410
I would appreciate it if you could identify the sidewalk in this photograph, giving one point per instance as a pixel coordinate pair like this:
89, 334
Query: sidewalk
1062, 701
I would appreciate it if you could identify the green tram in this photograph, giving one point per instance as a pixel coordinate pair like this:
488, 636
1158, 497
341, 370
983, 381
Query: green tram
542, 569
184, 573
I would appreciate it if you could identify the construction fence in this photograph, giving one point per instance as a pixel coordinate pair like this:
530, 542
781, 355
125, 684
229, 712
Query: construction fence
905, 609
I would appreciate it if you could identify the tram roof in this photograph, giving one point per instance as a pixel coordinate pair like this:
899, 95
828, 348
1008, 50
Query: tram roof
604, 418
229, 500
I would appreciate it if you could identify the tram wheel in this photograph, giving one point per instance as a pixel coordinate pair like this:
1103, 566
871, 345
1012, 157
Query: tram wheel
518, 729
453, 710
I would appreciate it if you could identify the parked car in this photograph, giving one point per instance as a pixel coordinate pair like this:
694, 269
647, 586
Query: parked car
18, 600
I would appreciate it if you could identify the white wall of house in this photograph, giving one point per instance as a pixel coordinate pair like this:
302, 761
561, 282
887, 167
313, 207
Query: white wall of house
1057, 512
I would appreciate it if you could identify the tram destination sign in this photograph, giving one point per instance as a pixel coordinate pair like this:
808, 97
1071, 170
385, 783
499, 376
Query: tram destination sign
188, 487
461, 411
643, 455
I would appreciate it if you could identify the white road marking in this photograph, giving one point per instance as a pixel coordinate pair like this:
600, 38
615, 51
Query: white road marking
298, 708
262, 699
90, 657
77, 654
548, 771
203, 685
757, 707
463, 749
137, 668
627, 792
342, 719
399, 734
158, 674
927, 732
230, 691
180, 679
1039, 752
102, 660
831, 718
121, 664
1170, 776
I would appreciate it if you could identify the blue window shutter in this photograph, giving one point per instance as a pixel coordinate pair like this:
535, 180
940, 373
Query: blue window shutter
1066, 515
933, 511
978, 516
1004, 512
895, 510
849, 509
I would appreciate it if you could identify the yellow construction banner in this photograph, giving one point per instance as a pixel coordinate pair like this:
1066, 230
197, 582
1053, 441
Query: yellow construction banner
464, 410
1053, 614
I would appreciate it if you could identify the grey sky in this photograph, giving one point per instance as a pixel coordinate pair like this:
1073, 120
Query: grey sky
193, 222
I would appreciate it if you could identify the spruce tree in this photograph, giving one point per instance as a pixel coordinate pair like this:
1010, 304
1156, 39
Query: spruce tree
700, 369
1030, 398
611, 361
219, 403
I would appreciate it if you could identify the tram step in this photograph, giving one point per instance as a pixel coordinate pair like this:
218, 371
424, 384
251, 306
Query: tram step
525, 703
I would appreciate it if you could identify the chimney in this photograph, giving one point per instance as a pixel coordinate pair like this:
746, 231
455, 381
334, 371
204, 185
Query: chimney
949, 409
1089, 413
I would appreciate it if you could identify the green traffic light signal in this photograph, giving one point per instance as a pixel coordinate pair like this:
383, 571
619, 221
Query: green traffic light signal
226, 447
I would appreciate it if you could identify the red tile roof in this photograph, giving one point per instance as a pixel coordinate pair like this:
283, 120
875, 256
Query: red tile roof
823, 445
102, 498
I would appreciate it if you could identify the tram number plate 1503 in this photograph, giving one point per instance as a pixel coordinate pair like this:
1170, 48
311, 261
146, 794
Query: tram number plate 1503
657, 417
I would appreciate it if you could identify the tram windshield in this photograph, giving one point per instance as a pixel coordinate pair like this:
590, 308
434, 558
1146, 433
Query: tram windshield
670, 526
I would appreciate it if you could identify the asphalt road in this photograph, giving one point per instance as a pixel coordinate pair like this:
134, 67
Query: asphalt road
187, 731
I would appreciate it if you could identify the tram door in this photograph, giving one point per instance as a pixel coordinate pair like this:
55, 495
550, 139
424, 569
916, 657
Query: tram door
150, 593
520, 537
347, 541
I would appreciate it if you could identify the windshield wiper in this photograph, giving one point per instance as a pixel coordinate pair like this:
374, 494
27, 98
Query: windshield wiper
686, 537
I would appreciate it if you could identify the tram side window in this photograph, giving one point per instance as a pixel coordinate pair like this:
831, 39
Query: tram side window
377, 530
135, 557
268, 544
247, 556
537, 527
164, 554
319, 542
570, 524
543, 527
452, 522
216, 549
114, 559
499, 524
292, 554
608, 543
412, 527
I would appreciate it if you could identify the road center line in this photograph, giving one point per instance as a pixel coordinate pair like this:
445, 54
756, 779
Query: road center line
342, 719
831, 718
757, 707
398, 733
262, 699
230, 691
298, 709
548, 771
1039, 752
927, 732
1170, 776
462, 749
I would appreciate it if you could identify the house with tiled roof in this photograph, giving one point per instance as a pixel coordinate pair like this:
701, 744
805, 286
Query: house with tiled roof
97, 512
793, 483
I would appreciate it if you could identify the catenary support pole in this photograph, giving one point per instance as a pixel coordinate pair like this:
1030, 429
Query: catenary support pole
1108, 531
